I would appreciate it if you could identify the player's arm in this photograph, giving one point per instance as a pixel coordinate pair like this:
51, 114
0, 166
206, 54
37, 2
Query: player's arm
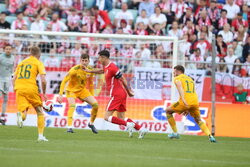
181, 91
62, 86
44, 83
124, 83
94, 71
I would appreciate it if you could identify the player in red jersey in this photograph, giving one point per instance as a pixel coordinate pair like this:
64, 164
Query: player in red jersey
118, 88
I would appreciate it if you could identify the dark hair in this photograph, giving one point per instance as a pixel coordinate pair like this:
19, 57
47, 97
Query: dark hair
180, 68
104, 53
84, 56
95, 8
6, 45
223, 10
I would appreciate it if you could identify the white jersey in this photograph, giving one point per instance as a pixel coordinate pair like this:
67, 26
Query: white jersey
6, 70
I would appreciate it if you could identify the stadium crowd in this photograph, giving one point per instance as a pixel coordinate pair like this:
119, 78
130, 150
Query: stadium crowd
194, 21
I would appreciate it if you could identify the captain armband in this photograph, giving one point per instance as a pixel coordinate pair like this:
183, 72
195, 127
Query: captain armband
118, 75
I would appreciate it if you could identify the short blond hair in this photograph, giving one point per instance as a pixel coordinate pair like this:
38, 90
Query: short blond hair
35, 51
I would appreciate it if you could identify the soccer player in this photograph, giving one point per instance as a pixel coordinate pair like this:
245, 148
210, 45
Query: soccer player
78, 81
6, 68
26, 89
118, 88
187, 104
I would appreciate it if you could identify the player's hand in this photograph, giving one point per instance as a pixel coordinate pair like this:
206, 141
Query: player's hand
131, 93
45, 98
60, 99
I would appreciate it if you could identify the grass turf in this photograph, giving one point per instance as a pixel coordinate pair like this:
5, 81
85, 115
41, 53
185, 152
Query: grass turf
18, 147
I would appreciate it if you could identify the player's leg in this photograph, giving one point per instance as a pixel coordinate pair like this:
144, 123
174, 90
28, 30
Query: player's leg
195, 113
22, 106
4, 106
40, 123
93, 102
72, 106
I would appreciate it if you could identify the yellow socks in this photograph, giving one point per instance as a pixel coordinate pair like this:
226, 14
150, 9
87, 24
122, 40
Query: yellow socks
93, 112
23, 115
171, 122
204, 128
70, 114
40, 123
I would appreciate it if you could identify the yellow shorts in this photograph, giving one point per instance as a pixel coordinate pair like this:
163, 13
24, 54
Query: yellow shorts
179, 108
80, 94
26, 99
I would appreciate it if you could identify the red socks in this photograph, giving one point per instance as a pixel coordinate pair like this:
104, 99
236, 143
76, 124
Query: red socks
117, 120
137, 127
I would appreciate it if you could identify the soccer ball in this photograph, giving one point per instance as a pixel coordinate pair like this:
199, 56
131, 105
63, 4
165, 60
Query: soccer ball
48, 106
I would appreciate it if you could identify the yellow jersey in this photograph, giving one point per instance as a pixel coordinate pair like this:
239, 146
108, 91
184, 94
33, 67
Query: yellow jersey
188, 86
77, 80
26, 74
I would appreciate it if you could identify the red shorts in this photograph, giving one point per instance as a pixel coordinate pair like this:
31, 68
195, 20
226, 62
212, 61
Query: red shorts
117, 103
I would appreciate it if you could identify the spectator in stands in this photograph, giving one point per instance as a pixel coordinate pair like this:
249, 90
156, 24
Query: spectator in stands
148, 6
142, 18
67, 62
19, 22
126, 28
16, 6
203, 44
238, 22
52, 60
189, 28
237, 69
32, 7
152, 63
203, 19
221, 46
213, 12
123, 14
56, 24
245, 12
175, 31
159, 51
206, 30
246, 66
241, 35
232, 9
73, 20
157, 29
197, 57
246, 49
179, 8
189, 65
165, 6
226, 34
38, 24
185, 46
103, 5
108, 29
3, 23
78, 5
222, 67
64, 6
240, 97
77, 50
201, 6
237, 48
230, 58
144, 52
101, 18
159, 18
141, 29
187, 16
223, 20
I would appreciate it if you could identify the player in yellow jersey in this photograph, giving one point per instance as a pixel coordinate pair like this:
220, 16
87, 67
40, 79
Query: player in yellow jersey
26, 89
81, 86
187, 104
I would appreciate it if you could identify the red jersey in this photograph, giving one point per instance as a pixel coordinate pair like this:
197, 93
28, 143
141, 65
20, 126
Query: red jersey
112, 75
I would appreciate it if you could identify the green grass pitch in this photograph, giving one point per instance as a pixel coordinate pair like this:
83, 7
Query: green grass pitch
18, 148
